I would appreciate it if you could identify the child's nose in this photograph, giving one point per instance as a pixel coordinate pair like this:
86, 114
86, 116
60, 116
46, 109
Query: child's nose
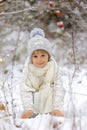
39, 58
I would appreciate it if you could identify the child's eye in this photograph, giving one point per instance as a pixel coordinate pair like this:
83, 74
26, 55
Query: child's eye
35, 56
43, 55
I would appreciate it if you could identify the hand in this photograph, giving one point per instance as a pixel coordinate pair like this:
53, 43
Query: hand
27, 114
57, 112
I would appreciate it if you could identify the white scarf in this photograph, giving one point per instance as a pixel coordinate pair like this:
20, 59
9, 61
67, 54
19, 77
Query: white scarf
47, 72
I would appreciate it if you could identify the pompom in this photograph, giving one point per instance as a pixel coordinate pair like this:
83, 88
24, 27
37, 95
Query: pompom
37, 32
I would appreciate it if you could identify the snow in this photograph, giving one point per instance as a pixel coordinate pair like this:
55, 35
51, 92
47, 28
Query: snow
78, 94
75, 101
41, 122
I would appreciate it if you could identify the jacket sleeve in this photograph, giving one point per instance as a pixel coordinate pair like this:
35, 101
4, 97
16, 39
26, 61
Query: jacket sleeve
26, 96
58, 97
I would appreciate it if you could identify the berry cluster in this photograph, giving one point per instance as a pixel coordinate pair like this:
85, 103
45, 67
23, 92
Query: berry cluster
58, 14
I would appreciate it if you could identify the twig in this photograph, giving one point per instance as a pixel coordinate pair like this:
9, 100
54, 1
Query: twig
73, 48
13, 62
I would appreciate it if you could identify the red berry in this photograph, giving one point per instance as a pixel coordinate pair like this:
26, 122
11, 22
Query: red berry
60, 24
51, 4
58, 13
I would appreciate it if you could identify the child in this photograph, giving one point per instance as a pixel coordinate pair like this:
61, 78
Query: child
41, 89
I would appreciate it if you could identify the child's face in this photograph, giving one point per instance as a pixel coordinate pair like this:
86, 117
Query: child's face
40, 58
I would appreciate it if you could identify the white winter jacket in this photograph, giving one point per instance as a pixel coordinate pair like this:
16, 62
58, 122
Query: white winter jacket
47, 98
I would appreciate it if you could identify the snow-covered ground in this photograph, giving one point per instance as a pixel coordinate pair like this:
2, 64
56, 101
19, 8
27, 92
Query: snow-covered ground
75, 105
75, 101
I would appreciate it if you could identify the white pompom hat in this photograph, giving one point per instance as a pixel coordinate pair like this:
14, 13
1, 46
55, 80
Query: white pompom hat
38, 41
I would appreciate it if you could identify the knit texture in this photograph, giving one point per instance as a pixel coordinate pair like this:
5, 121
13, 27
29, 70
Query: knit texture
38, 41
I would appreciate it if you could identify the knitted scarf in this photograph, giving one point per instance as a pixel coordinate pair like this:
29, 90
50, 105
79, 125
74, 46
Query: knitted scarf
47, 72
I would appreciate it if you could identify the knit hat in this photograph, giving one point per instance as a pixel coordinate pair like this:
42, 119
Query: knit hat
38, 41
